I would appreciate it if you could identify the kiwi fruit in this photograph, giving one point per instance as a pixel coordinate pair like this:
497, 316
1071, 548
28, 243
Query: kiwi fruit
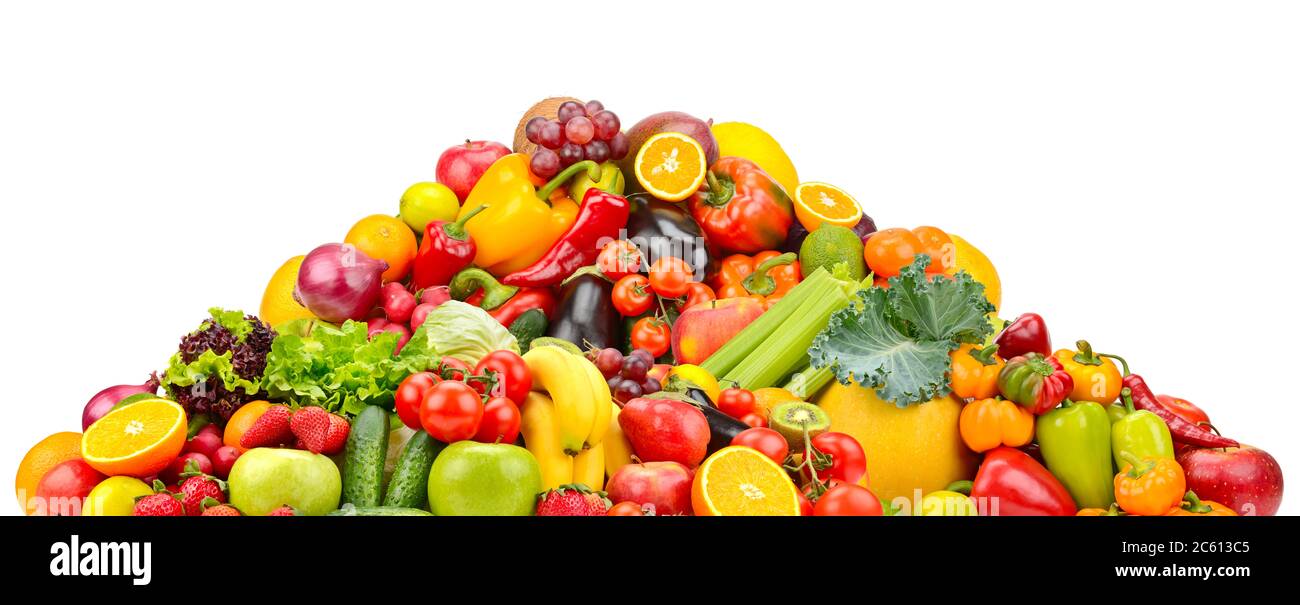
545, 108
791, 418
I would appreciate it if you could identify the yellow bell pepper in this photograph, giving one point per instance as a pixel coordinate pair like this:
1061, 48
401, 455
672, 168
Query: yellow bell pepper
520, 222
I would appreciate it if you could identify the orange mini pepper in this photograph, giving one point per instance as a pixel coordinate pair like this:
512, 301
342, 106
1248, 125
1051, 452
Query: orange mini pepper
1096, 378
989, 423
765, 276
975, 371
1193, 506
1150, 487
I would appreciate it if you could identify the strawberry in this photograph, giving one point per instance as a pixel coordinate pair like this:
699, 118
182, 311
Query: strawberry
574, 500
213, 508
283, 511
161, 503
269, 430
311, 425
338, 435
198, 488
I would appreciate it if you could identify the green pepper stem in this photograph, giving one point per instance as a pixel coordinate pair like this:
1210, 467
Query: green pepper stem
1085, 355
456, 230
985, 355
1126, 395
720, 192
1193, 504
495, 293
593, 172
759, 282
962, 487
1121, 361
1137, 468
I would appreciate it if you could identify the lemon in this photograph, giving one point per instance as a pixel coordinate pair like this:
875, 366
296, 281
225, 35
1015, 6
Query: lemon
972, 261
742, 140
278, 305
115, 497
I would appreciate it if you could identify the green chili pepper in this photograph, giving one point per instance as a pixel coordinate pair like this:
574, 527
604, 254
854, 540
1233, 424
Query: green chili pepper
1075, 443
1139, 434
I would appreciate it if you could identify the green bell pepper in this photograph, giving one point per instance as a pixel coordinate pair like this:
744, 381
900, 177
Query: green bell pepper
1116, 411
1139, 434
1075, 443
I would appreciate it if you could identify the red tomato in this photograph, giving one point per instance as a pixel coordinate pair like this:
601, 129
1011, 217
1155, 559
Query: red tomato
888, 251
626, 509
754, 420
805, 506
451, 411
651, 334
500, 422
765, 440
450, 368
410, 394
670, 277
847, 500
619, 258
511, 372
848, 461
1184, 409
736, 403
697, 293
632, 295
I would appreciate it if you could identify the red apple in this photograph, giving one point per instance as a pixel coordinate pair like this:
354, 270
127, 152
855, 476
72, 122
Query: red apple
666, 485
63, 490
704, 328
460, 166
1245, 479
665, 430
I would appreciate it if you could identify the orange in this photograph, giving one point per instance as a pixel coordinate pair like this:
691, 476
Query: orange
45, 455
817, 203
385, 238
137, 439
241, 421
740, 481
671, 166
278, 305
769, 397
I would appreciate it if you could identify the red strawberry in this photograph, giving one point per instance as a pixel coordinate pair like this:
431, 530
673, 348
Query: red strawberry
270, 429
161, 504
576, 500
338, 435
283, 511
211, 508
199, 488
312, 426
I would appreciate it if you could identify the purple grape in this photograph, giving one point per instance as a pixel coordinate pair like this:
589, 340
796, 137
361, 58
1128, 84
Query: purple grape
609, 361
644, 355
614, 381
594, 107
650, 386
627, 391
579, 130
634, 368
533, 128
618, 146
570, 154
596, 151
569, 110
550, 135
607, 125
545, 163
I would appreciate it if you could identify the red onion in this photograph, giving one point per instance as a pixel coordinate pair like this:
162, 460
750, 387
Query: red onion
337, 282
103, 401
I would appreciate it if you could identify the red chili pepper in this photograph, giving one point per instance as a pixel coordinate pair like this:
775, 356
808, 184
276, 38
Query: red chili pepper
445, 250
1012, 483
599, 220
1182, 430
1026, 334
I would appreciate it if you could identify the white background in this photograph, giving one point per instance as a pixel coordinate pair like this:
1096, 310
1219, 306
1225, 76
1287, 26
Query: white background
1131, 167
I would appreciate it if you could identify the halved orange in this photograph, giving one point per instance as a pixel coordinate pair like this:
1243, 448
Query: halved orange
740, 481
671, 166
817, 203
137, 439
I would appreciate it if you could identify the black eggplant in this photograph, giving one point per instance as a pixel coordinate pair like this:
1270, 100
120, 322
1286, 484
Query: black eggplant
659, 228
585, 316
722, 428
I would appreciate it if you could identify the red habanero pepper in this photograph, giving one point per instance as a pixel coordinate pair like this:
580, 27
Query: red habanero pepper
504, 303
1180, 428
1014, 484
446, 249
599, 220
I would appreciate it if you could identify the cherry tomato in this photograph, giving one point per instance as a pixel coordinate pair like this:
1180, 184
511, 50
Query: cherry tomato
632, 295
848, 461
500, 422
938, 246
651, 334
754, 420
765, 440
736, 403
848, 500
1184, 409
410, 394
670, 276
888, 251
805, 506
626, 509
696, 293
451, 368
513, 378
619, 258
451, 411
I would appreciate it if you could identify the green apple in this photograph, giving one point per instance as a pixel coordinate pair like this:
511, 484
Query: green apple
264, 479
484, 479
425, 202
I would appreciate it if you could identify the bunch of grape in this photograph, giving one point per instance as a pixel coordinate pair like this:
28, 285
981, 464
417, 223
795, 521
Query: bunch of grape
579, 132
626, 375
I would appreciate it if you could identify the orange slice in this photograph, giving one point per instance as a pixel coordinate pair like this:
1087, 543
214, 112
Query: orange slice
138, 440
740, 481
817, 203
670, 165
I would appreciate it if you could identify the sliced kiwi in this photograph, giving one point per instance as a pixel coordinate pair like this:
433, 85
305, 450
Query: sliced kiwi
793, 417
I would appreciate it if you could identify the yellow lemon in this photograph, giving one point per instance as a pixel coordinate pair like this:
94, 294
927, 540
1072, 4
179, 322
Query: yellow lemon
972, 261
278, 305
747, 141
115, 497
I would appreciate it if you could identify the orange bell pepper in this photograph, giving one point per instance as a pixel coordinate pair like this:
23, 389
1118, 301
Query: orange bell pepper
1192, 506
1095, 377
765, 276
985, 424
975, 371
1150, 487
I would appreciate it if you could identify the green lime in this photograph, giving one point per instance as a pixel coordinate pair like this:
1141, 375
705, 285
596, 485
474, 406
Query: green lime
423, 203
830, 245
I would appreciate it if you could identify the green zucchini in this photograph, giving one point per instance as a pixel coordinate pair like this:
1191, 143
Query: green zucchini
409, 487
529, 325
363, 458
378, 511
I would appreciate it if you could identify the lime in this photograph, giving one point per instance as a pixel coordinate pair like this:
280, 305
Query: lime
830, 245
425, 202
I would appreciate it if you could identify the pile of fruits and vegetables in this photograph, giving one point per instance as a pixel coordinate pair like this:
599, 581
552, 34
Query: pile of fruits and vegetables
654, 320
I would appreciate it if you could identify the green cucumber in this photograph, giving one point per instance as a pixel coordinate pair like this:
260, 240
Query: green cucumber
378, 511
363, 458
528, 326
409, 487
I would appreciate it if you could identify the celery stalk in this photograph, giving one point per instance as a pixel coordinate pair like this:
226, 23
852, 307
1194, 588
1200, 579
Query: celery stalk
730, 355
809, 382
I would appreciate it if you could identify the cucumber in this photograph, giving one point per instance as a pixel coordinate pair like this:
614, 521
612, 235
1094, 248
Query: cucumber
409, 487
528, 326
363, 458
378, 511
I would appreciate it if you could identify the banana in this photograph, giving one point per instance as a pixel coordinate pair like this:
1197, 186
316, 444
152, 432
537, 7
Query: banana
603, 402
537, 423
618, 450
589, 467
559, 374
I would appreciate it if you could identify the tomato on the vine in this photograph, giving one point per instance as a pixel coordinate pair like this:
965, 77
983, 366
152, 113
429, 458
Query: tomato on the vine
765, 440
632, 295
500, 422
736, 402
410, 394
451, 411
848, 500
651, 334
514, 380
619, 258
670, 276
848, 460
697, 293
450, 368
754, 420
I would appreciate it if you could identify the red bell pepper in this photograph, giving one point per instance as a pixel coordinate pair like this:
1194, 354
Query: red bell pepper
504, 303
1026, 334
599, 220
742, 209
1035, 382
1011, 483
445, 250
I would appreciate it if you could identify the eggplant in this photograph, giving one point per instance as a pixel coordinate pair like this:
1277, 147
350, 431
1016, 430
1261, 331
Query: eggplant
722, 428
659, 229
584, 315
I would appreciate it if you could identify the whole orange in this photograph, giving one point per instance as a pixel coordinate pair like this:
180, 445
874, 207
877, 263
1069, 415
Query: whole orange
45, 455
385, 238
241, 421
